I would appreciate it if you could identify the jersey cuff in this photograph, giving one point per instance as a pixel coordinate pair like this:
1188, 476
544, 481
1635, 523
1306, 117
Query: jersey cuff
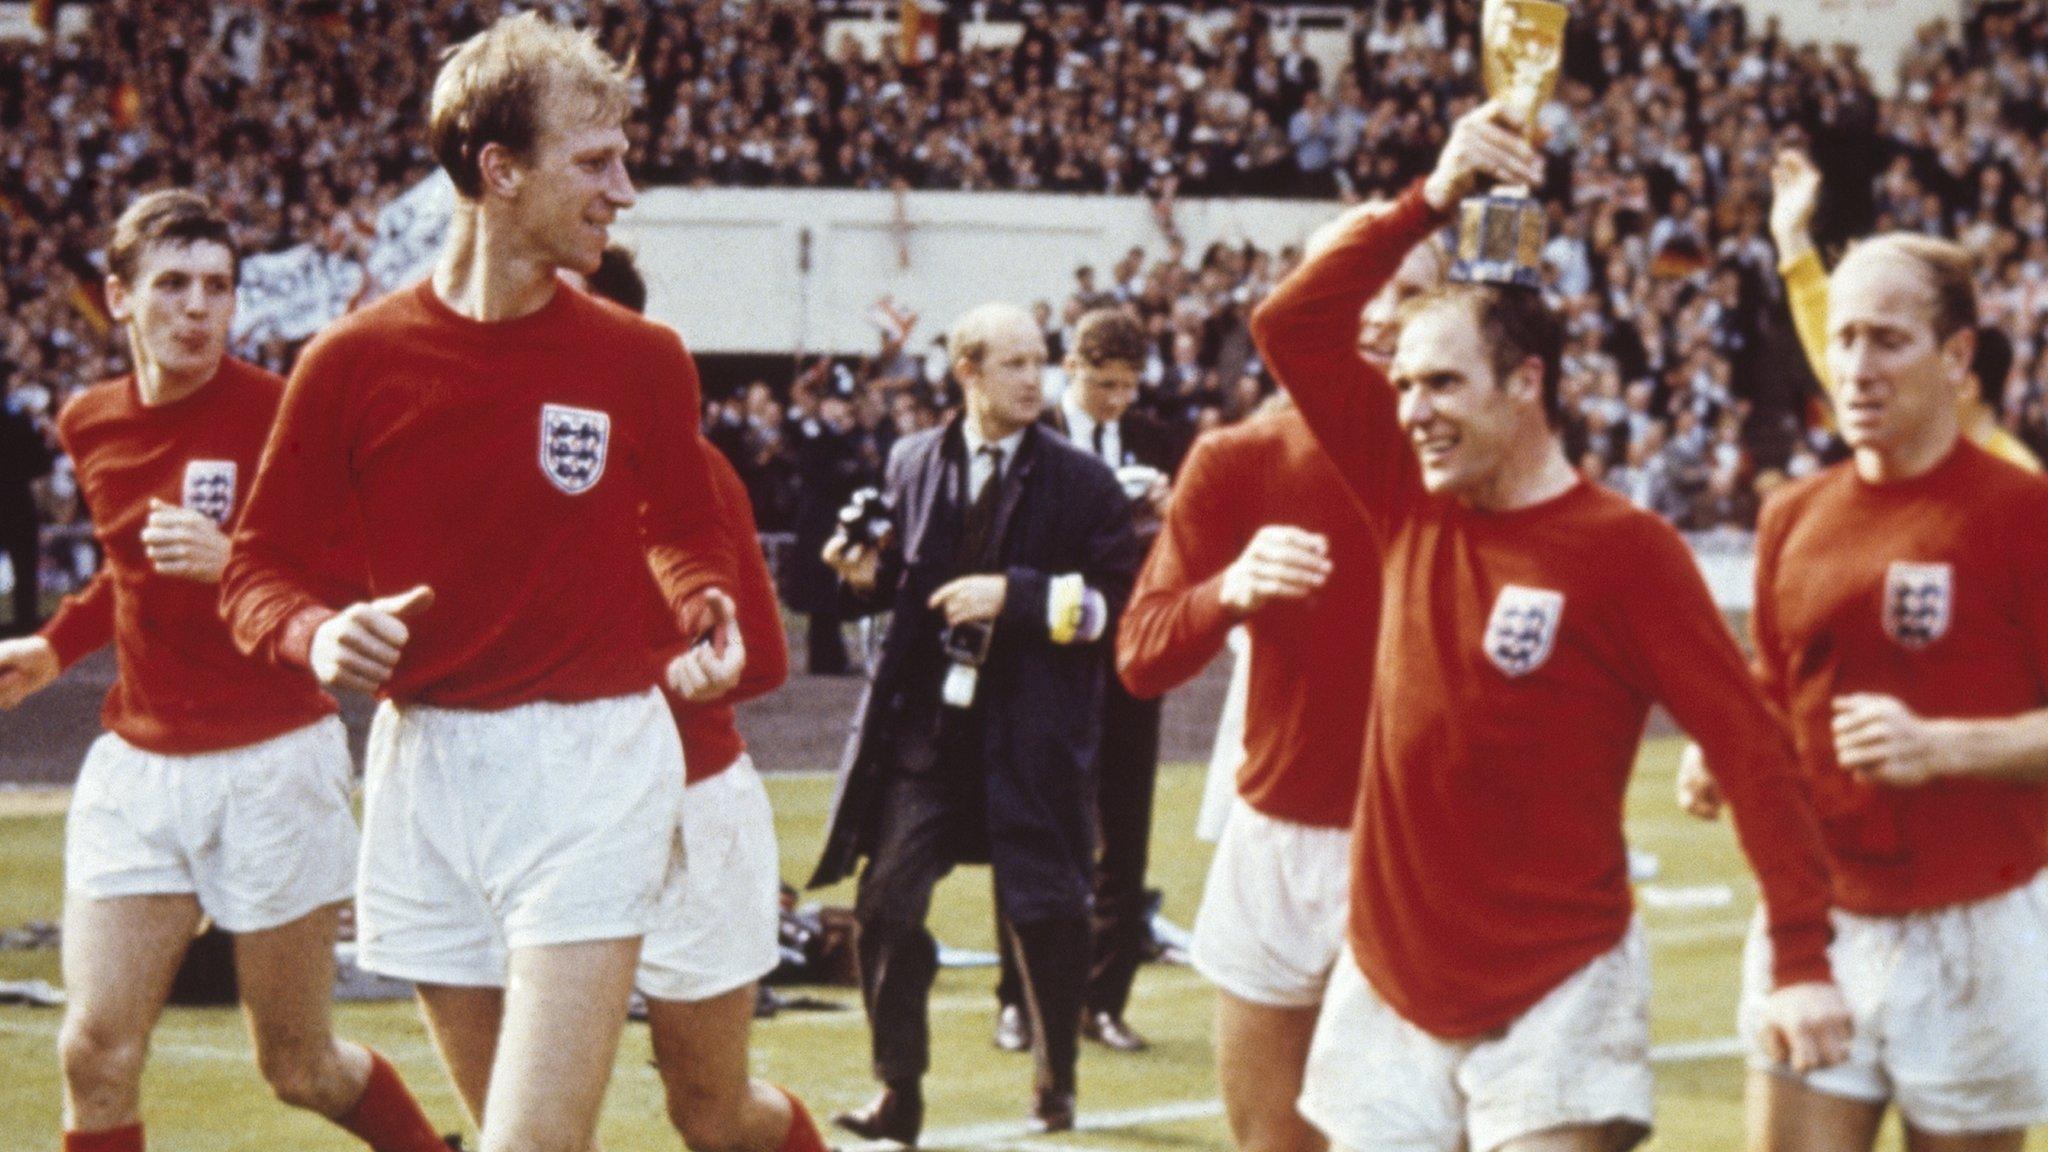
295, 645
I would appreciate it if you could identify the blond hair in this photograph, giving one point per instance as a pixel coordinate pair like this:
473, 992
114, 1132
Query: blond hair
493, 86
971, 334
1946, 270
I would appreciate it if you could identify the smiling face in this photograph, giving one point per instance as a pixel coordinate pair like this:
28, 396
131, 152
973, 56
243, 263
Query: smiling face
1898, 381
564, 197
1463, 420
177, 303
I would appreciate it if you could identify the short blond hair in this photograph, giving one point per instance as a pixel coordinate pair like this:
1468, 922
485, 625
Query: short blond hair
971, 334
1946, 268
493, 86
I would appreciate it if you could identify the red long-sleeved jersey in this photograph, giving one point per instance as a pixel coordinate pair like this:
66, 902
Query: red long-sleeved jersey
1934, 590
711, 738
182, 687
1311, 661
1519, 653
522, 469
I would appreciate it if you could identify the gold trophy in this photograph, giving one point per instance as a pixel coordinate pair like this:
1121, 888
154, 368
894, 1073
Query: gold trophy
1500, 234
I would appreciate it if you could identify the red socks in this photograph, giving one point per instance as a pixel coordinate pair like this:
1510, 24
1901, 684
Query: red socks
387, 1118
128, 1139
803, 1135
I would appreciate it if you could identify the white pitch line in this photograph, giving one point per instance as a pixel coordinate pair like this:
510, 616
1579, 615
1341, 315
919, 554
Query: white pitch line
1685, 1051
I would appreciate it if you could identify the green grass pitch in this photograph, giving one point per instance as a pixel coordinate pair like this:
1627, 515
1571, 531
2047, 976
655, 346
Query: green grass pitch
202, 1091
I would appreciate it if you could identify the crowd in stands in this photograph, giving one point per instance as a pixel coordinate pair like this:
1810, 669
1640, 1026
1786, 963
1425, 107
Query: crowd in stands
1685, 386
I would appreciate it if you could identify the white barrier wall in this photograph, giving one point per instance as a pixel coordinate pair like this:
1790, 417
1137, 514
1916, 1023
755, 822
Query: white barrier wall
781, 271
1881, 30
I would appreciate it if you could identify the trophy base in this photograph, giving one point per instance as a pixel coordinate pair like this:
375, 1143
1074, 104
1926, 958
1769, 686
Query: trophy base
1500, 241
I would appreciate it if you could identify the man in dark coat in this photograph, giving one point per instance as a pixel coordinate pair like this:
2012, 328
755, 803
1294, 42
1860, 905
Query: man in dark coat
1095, 414
830, 468
977, 739
24, 457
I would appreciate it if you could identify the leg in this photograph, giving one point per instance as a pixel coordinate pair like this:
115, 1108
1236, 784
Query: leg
119, 958
1129, 771
1054, 956
1786, 1115
1612, 1137
2007, 1140
565, 1005
1260, 1053
826, 645
464, 1024
286, 975
701, 1050
898, 958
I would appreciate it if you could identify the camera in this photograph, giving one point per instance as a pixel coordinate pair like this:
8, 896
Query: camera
968, 643
1138, 479
868, 519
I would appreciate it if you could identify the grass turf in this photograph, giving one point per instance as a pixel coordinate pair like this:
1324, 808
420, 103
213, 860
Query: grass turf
202, 1091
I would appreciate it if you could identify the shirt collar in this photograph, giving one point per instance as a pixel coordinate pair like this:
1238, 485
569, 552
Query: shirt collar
1008, 444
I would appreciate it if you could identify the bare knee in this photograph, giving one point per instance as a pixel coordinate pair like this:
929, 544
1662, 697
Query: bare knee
301, 1077
708, 1120
100, 1057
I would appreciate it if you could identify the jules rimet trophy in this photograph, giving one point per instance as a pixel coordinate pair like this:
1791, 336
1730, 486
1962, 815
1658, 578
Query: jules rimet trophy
1500, 233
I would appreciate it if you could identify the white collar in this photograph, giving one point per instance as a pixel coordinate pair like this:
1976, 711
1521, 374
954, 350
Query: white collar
1008, 444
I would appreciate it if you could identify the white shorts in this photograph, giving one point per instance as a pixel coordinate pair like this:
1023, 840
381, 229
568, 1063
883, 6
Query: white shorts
1581, 1056
1950, 1009
541, 824
1274, 909
725, 931
261, 834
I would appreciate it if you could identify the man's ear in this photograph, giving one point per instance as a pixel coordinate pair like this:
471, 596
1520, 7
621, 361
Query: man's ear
119, 304
1957, 353
1525, 381
502, 171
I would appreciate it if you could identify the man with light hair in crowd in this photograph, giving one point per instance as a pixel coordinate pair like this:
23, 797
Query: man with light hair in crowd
1010, 553
1901, 623
220, 789
456, 512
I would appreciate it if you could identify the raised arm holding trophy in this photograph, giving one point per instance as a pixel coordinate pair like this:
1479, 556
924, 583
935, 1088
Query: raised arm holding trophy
1500, 233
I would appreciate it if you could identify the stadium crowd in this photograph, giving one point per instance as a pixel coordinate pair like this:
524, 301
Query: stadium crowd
1685, 388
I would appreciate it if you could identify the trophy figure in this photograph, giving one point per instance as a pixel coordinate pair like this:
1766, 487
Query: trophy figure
1500, 234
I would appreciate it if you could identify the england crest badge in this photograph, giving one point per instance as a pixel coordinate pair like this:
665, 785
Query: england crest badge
210, 489
572, 446
1523, 628
1916, 602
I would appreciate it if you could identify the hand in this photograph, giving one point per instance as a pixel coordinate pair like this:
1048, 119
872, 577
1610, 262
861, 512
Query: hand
1698, 795
1483, 144
359, 646
854, 563
1795, 194
27, 666
1807, 1026
183, 543
711, 669
971, 599
1281, 563
1159, 496
1880, 740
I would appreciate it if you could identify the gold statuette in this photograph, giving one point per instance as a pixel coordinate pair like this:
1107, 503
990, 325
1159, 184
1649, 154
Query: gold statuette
1500, 234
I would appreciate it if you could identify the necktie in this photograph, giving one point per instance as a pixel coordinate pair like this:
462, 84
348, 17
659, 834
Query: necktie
1099, 430
981, 514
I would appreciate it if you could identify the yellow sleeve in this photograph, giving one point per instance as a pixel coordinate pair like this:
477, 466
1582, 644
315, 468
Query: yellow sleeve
1806, 291
1994, 439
